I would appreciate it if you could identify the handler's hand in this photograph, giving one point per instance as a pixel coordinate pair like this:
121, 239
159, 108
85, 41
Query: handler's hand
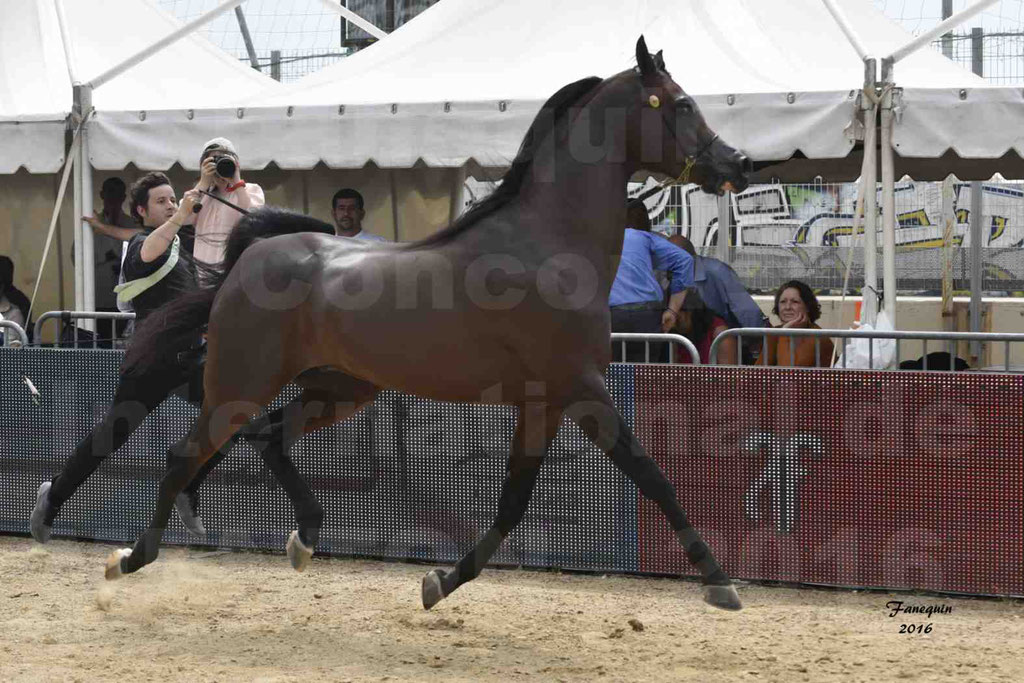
668, 320
188, 200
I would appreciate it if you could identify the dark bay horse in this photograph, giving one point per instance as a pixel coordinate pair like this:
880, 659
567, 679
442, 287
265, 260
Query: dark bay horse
514, 311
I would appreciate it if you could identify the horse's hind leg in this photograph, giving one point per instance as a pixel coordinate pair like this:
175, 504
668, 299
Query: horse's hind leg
630, 457
274, 435
535, 430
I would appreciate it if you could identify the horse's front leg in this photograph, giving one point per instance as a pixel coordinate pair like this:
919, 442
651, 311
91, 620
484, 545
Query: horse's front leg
536, 428
185, 460
604, 425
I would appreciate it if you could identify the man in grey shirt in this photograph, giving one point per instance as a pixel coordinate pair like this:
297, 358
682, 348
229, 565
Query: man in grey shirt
347, 210
724, 293
721, 289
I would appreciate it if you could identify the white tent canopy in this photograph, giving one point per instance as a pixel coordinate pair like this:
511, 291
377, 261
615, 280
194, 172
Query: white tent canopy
36, 82
464, 79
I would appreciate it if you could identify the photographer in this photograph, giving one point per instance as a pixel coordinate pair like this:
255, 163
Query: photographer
157, 269
222, 176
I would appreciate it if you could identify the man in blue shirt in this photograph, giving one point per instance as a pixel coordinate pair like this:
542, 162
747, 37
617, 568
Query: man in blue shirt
721, 289
637, 300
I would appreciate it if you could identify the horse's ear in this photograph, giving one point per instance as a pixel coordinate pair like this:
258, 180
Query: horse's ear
643, 58
659, 61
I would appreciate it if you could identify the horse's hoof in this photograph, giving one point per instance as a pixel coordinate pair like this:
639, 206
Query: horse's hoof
114, 570
723, 597
188, 510
298, 553
37, 521
433, 591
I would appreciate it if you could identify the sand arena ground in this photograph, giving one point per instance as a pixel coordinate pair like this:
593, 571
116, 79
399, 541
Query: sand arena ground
197, 615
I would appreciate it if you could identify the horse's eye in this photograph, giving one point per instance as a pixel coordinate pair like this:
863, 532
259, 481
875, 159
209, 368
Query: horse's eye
684, 105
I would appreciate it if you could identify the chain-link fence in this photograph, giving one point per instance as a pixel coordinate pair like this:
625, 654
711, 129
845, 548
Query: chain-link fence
291, 38
781, 232
290, 65
990, 44
997, 56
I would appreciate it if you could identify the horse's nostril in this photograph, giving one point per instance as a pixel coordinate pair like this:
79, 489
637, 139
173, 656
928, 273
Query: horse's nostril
746, 164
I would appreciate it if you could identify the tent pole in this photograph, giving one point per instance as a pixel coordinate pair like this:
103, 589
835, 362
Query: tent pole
71, 60
394, 203
869, 305
84, 99
948, 25
175, 36
65, 36
977, 265
948, 226
76, 221
847, 29
244, 28
869, 180
60, 256
888, 195
336, 6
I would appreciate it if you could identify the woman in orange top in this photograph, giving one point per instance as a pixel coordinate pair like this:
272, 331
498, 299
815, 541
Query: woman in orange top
797, 308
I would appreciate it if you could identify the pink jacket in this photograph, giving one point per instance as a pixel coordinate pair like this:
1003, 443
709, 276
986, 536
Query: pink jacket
216, 220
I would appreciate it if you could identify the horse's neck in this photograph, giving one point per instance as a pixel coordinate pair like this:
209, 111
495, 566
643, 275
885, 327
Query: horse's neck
584, 203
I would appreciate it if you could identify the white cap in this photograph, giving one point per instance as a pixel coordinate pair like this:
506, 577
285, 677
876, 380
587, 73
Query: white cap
219, 143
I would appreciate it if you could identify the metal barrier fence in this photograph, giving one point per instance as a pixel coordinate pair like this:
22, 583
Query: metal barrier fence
856, 479
672, 340
619, 340
16, 330
66, 317
872, 336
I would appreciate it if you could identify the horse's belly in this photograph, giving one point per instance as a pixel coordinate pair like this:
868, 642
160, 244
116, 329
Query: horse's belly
446, 369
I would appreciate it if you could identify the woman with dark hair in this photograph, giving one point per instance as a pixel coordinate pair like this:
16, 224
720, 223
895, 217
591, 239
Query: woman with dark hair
797, 308
701, 325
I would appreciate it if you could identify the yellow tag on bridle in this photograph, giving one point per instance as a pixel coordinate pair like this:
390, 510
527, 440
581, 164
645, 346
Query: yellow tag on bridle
654, 101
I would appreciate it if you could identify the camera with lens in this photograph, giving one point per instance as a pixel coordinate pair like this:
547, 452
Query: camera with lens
225, 166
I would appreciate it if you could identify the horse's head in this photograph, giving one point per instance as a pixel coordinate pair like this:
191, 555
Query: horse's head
673, 136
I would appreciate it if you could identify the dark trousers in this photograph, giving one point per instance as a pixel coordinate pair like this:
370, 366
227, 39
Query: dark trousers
645, 318
136, 397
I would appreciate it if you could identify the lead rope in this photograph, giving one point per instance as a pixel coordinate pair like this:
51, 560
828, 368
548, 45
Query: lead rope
69, 163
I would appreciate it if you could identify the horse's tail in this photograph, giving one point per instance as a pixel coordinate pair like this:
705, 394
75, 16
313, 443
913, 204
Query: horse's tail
173, 327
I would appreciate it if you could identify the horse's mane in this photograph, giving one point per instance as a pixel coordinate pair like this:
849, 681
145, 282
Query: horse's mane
552, 110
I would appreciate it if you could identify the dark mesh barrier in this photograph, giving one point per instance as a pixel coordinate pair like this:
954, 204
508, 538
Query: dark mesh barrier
406, 478
900, 480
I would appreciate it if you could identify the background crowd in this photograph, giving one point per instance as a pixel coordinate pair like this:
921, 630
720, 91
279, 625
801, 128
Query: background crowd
662, 284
